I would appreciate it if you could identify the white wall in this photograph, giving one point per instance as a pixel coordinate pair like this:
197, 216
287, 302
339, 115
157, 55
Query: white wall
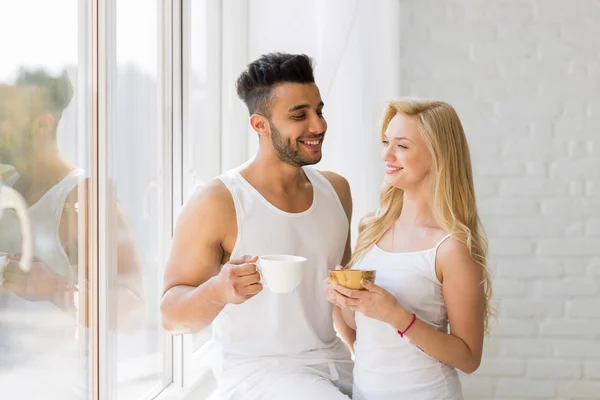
524, 77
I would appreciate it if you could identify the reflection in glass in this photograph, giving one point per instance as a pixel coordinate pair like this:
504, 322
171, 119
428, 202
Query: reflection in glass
135, 149
43, 312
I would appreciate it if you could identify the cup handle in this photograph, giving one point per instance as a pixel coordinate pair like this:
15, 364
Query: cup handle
259, 270
10, 198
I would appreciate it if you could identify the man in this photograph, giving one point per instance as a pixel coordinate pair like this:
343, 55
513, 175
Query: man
274, 346
39, 312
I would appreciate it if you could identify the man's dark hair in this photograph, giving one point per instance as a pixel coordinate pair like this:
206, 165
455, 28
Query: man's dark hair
58, 90
255, 84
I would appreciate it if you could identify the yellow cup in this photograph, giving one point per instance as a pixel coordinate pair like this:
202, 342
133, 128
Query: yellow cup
350, 278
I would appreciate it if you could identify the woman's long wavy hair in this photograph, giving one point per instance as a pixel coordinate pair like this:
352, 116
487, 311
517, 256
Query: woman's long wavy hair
452, 194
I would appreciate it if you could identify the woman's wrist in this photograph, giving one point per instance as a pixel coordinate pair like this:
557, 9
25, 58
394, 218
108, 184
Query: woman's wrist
400, 318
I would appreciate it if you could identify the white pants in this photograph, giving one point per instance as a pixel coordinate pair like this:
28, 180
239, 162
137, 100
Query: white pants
330, 381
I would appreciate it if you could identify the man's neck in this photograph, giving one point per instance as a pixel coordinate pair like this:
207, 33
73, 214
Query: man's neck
274, 173
40, 174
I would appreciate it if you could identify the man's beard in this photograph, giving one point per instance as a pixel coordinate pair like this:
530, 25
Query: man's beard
287, 152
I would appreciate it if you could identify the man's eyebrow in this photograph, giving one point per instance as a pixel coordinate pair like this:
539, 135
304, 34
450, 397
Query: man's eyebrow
302, 106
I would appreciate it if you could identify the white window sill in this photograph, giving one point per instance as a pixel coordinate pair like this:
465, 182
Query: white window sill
199, 381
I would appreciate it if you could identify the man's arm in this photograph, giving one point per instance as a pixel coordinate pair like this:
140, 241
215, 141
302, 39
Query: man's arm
190, 301
196, 287
125, 281
342, 188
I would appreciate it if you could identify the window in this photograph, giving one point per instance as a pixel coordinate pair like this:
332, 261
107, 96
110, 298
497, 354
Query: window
112, 114
138, 200
44, 155
201, 127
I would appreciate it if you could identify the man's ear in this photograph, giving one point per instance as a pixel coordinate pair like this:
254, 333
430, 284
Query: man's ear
260, 124
43, 125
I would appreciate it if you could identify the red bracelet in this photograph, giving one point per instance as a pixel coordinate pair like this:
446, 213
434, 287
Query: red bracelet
409, 325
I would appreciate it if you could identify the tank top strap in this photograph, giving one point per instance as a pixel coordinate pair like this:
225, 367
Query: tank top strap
322, 186
56, 197
442, 241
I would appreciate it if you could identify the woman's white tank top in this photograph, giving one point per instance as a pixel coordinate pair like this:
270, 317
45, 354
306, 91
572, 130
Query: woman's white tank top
387, 366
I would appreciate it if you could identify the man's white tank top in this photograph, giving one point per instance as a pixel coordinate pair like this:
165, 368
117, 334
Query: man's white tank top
387, 366
294, 328
37, 339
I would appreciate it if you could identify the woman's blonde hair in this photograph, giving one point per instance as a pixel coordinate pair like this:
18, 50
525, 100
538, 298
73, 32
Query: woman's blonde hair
451, 186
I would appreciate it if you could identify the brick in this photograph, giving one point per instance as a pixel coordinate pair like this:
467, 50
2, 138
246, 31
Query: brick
553, 369
535, 148
570, 329
583, 309
577, 149
586, 167
509, 206
577, 187
527, 226
537, 168
581, 12
525, 348
491, 346
525, 389
568, 247
568, 288
571, 207
510, 247
529, 268
582, 349
507, 48
513, 327
526, 187
486, 146
575, 229
593, 189
476, 387
485, 187
510, 288
501, 367
524, 108
500, 167
575, 269
579, 390
524, 69
592, 369
518, 308
593, 268
593, 227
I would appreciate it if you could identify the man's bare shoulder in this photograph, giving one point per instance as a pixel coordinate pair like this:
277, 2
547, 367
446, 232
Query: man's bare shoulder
337, 181
212, 199
342, 188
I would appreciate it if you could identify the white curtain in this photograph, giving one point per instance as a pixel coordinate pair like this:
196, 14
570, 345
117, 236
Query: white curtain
356, 48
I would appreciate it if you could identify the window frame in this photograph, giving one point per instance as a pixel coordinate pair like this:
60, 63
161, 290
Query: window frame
187, 366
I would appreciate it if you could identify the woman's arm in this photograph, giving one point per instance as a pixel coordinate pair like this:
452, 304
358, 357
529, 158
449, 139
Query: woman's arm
342, 188
464, 296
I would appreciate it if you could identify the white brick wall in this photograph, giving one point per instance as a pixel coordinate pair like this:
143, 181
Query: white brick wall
524, 75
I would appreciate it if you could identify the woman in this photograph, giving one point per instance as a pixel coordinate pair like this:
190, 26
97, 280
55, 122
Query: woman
429, 251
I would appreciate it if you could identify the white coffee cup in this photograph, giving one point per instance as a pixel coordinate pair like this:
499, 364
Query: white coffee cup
10, 198
281, 273
3, 264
